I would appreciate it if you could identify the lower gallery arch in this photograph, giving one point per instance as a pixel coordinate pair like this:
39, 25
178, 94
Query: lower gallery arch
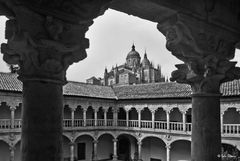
180, 150
153, 149
105, 147
83, 147
66, 147
4, 151
126, 147
229, 150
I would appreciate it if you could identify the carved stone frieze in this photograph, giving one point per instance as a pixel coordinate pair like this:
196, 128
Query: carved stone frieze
205, 51
43, 38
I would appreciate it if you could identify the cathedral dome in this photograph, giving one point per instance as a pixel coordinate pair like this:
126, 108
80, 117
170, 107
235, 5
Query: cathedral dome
145, 61
133, 53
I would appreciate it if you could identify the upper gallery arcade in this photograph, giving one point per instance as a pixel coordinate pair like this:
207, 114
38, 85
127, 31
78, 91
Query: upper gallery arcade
46, 37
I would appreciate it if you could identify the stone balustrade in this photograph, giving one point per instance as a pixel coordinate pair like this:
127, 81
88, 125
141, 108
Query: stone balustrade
159, 126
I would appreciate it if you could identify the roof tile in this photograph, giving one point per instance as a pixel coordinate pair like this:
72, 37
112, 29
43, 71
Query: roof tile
9, 82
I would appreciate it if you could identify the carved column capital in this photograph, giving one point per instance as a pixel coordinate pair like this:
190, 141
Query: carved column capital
205, 50
45, 37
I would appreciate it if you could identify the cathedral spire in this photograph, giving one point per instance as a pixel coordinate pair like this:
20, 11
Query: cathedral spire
133, 47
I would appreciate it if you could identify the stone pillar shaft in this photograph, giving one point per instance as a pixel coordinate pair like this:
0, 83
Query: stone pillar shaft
95, 118
114, 149
139, 150
42, 121
12, 117
11, 154
168, 120
139, 119
222, 114
115, 117
72, 152
206, 136
105, 118
72, 117
168, 158
153, 119
184, 120
84, 117
127, 118
95, 158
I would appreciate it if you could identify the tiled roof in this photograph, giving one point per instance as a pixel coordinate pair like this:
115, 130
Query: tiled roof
152, 90
88, 90
9, 82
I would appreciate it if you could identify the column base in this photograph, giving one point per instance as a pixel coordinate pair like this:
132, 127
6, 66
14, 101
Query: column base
115, 158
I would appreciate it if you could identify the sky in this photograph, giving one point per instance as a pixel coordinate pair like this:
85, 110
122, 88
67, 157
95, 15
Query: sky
111, 37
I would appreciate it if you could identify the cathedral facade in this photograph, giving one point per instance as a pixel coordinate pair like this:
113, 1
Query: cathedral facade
133, 71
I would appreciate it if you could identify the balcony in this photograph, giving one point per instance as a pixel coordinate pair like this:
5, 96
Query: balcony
228, 130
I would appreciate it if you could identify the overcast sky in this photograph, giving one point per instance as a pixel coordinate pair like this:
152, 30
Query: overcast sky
111, 37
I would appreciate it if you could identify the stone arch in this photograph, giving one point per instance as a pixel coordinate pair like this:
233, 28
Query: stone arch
110, 113
4, 152
105, 146
229, 148
161, 137
179, 139
4, 140
146, 114
78, 114
127, 146
106, 133
90, 112
180, 149
231, 116
82, 134
160, 114
157, 146
133, 114
67, 136
66, 112
100, 113
175, 115
5, 112
126, 133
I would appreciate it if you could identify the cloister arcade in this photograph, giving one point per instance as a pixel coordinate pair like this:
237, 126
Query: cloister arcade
105, 127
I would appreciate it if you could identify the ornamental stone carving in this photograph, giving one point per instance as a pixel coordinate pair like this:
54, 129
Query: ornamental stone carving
45, 37
205, 49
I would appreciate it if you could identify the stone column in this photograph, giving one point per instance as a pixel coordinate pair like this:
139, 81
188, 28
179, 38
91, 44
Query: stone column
221, 122
139, 117
71, 151
168, 119
105, 117
11, 148
115, 117
206, 51
139, 150
95, 117
115, 149
72, 116
95, 158
43, 40
153, 118
84, 117
168, 157
184, 120
127, 117
12, 116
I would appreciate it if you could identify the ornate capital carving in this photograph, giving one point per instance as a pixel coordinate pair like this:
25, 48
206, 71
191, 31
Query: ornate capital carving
205, 50
45, 37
